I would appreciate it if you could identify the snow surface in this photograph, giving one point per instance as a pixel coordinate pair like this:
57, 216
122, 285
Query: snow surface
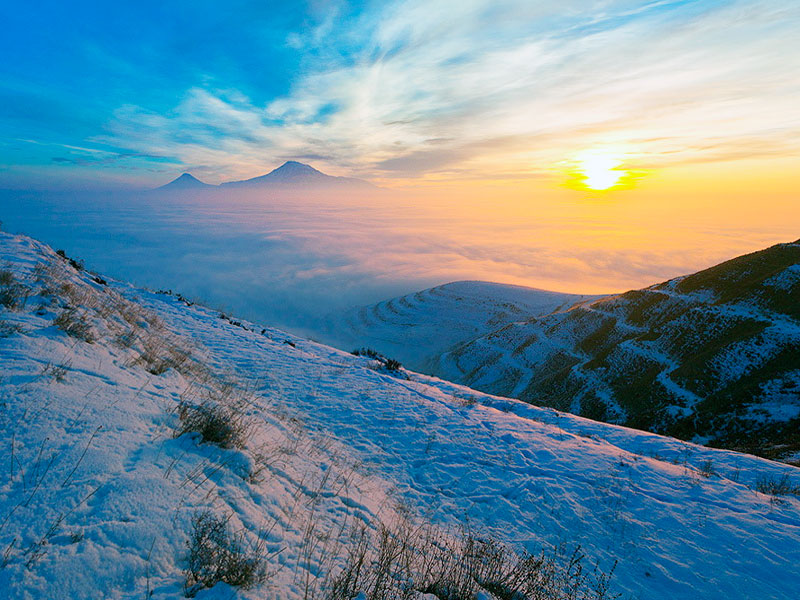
513, 359
96, 495
417, 328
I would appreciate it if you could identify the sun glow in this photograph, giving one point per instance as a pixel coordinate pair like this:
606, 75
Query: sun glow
599, 170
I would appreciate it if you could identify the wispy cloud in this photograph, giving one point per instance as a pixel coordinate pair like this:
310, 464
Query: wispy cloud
417, 88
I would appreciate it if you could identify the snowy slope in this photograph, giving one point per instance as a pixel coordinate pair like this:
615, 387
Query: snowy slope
417, 328
713, 357
97, 494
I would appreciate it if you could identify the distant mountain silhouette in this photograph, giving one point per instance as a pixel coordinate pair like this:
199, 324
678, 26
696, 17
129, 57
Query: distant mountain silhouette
186, 181
297, 174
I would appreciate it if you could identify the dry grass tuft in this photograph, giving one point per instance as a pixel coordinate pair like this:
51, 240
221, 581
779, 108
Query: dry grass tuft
220, 421
75, 325
403, 562
13, 294
217, 554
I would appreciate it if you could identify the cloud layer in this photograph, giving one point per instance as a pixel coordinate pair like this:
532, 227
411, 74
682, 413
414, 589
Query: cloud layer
290, 261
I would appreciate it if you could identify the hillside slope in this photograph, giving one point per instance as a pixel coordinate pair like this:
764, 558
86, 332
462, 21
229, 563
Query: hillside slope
417, 328
713, 357
100, 489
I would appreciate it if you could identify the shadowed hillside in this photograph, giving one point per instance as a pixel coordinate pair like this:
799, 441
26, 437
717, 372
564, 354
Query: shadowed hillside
713, 357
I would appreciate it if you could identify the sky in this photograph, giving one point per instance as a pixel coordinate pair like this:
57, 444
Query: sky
402, 93
587, 146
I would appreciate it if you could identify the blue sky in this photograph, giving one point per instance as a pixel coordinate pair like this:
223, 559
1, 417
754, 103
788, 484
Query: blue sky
133, 93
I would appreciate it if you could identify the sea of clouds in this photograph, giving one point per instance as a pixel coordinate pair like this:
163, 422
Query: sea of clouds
291, 259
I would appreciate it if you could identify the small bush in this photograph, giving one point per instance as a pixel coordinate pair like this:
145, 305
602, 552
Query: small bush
707, 468
465, 401
216, 554
75, 264
158, 355
401, 563
56, 372
13, 295
215, 423
369, 353
74, 325
389, 364
126, 338
392, 364
777, 486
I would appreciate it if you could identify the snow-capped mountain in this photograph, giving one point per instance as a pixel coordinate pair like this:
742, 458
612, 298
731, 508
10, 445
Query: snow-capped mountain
297, 174
290, 175
185, 182
154, 448
713, 357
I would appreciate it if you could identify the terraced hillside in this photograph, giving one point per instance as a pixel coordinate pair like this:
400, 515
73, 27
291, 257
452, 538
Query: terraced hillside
712, 357
417, 328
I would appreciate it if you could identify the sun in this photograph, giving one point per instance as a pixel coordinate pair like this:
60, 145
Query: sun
599, 170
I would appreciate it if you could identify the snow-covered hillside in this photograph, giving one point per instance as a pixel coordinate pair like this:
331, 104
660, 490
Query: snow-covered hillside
713, 357
100, 493
417, 328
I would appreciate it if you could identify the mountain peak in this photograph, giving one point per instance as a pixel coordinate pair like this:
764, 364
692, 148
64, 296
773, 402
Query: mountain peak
186, 181
294, 169
296, 174
293, 164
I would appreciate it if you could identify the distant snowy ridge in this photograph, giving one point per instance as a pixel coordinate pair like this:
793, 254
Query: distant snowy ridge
713, 357
291, 174
100, 495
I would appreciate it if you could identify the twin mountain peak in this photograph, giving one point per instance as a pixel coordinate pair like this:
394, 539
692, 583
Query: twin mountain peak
289, 174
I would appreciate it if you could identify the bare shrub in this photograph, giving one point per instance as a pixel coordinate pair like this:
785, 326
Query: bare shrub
6, 277
13, 294
159, 355
400, 563
389, 364
215, 422
75, 325
368, 352
126, 338
217, 554
75, 264
76, 536
392, 364
465, 401
56, 372
707, 468
777, 486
